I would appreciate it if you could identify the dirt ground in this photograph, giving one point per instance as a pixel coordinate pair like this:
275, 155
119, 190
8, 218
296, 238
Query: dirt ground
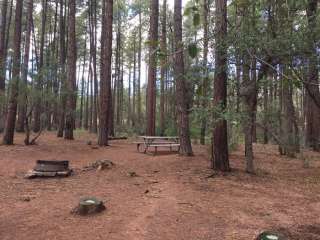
172, 197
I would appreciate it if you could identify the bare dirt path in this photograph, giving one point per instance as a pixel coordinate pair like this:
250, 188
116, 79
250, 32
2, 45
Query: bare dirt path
168, 197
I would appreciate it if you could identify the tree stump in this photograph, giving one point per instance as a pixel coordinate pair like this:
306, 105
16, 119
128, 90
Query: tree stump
89, 206
269, 236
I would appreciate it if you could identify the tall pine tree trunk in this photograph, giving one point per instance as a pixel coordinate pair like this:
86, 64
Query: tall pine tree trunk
3, 24
71, 72
86, 118
62, 61
118, 74
14, 90
134, 84
290, 133
248, 89
105, 82
313, 109
248, 93
179, 75
139, 64
266, 110
205, 69
24, 75
129, 117
38, 100
152, 70
163, 66
254, 79
82, 84
93, 53
220, 158
8, 31
55, 56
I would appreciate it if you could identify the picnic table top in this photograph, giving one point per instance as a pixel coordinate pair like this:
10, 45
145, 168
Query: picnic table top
158, 137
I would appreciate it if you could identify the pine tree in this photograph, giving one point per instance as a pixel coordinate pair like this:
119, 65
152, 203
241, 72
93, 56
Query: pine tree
105, 83
71, 72
13, 101
179, 75
220, 157
152, 69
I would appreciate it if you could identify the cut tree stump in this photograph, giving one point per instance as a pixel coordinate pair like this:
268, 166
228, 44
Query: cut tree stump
89, 206
269, 236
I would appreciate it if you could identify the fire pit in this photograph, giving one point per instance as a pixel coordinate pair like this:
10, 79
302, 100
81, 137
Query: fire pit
52, 168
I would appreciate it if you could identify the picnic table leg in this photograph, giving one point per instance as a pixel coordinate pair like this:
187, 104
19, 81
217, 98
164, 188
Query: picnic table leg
145, 146
155, 150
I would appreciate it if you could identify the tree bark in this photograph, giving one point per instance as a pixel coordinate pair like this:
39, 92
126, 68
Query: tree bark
86, 119
163, 66
3, 24
248, 90
139, 64
179, 75
93, 53
38, 107
7, 35
220, 156
91, 99
205, 70
62, 61
12, 108
266, 110
24, 77
152, 70
134, 82
55, 58
105, 82
290, 133
254, 79
71, 72
129, 117
313, 110
117, 73
82, 84
249, 94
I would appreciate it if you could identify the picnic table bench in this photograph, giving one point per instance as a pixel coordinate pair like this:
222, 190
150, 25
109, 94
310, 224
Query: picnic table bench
156, 142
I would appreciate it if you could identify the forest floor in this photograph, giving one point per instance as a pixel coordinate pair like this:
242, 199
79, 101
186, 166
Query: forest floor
169, 198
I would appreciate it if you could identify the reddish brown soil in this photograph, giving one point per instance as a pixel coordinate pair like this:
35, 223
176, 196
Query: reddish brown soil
171, 198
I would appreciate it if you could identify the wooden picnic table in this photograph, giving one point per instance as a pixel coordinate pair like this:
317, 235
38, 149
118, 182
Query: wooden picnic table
158, 141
